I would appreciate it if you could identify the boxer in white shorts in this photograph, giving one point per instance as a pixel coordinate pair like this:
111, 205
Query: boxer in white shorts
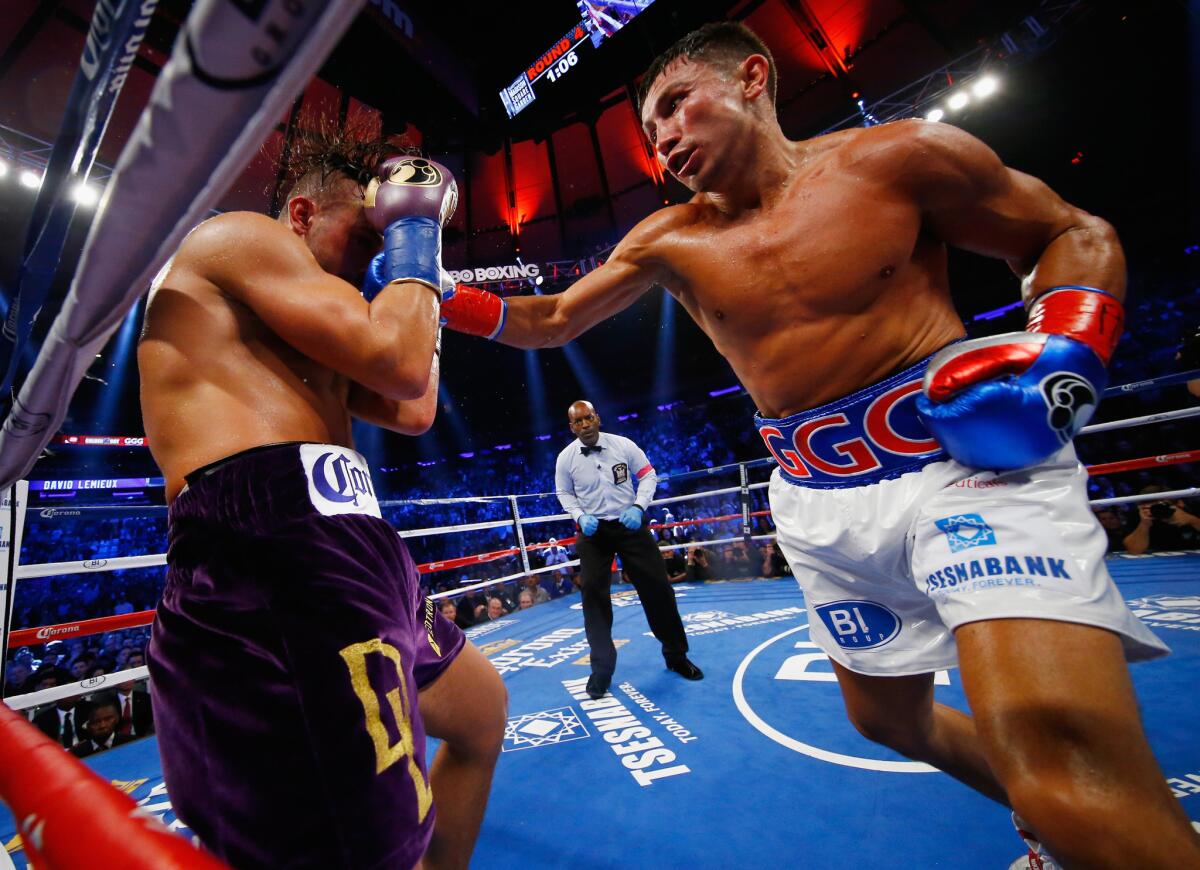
818, 269
895, 555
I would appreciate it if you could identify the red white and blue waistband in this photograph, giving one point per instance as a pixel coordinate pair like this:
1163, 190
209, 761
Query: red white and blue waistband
860, 439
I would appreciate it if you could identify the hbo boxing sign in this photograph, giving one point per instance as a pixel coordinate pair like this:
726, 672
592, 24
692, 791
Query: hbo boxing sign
496, 273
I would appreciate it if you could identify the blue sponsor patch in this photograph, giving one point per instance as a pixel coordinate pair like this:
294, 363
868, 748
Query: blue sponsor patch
965, 531
859, 624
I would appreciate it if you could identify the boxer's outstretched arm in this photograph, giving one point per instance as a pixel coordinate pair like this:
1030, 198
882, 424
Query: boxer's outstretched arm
634, 267
973, 201
386, 345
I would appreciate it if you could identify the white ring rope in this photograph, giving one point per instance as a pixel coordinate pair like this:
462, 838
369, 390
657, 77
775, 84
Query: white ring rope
74, 690
1181, 414
1149, 496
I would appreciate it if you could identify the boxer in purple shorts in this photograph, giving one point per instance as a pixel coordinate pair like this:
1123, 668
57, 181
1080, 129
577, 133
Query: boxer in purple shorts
296, 666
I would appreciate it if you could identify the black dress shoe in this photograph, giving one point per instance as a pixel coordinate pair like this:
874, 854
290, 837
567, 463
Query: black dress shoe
597, 686
685, 669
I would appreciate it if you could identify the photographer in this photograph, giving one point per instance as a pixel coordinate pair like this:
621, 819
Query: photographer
1162, 525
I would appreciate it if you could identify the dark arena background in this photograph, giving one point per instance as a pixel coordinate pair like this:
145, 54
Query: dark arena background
532, 106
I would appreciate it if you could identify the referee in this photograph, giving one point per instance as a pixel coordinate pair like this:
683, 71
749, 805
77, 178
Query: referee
595, 477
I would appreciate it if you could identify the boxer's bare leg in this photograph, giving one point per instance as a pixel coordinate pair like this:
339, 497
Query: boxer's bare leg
900, 713
466, 707
1057, 720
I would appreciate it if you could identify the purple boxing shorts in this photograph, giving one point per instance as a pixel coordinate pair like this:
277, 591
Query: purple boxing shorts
286, 658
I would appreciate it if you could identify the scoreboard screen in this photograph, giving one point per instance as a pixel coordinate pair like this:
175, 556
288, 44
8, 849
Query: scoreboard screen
609, 16
600, 20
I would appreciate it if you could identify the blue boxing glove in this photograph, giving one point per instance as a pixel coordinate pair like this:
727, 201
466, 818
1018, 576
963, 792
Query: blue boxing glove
588, 524
376, 278
631, 518
410, 202
1011, 401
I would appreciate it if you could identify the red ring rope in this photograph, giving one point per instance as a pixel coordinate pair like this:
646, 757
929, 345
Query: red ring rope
69, 817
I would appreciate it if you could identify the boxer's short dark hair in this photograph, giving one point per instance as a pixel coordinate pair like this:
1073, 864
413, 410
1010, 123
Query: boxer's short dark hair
723, 44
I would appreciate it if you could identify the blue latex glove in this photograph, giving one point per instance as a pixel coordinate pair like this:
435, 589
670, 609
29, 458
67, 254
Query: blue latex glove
588, 524
631, 517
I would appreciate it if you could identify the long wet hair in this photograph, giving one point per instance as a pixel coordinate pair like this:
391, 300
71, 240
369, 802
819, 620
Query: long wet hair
323, 153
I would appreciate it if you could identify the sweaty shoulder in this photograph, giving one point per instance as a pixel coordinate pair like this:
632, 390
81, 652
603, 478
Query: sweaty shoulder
923, 157
230, 238
657, 231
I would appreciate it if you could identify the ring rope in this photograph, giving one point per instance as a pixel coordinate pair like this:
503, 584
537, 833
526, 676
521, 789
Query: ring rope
69, 817
1144, 462
1169, 495
72, 690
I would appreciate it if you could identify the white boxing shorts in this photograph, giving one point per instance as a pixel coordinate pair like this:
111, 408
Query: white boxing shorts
894, 548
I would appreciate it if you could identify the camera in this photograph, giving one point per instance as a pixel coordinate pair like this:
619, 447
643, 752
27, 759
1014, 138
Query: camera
1161, 510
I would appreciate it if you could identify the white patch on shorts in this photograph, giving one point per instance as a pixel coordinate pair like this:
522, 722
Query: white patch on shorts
339, 480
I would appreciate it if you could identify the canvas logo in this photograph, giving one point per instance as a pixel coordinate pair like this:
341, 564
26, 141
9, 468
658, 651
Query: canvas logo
965, 531
1181, 612
786, 684
545, 728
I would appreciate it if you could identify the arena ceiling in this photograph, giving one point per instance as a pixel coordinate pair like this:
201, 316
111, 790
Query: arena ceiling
571, 172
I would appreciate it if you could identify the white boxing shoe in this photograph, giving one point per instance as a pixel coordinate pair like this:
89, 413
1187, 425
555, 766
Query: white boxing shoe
1036, 858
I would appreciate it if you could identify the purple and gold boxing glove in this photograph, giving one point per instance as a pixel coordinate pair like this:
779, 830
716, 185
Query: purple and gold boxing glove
410, 202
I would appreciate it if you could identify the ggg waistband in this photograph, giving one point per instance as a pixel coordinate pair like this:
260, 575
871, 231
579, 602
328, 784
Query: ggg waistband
868, 436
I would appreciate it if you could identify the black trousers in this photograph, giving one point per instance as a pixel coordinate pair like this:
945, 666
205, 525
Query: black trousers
641, 557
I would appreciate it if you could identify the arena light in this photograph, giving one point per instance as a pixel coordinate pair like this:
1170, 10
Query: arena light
3, 168
85, 194
934, 115
985, 87
29, 178
958, 101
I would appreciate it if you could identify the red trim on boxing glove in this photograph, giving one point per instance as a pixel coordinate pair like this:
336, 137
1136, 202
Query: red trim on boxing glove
474, 311
1085, 314
981, 364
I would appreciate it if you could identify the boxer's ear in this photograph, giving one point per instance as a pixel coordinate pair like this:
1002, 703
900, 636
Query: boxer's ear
300, 211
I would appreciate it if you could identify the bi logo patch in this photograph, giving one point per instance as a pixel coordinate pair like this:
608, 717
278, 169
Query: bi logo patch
966, 531
859, 624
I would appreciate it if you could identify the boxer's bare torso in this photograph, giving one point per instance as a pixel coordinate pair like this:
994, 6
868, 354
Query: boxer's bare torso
216, 379
832, 286
819, 267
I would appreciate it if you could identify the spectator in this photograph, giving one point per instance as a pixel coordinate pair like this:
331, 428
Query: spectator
525, 600
81, 668
495, 609
459, 616
137, 719
773, 562
556, 554
534, 588
676, 565
1113, 523
700, 564
16, 673
58, 722
1161, 525
100, 728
